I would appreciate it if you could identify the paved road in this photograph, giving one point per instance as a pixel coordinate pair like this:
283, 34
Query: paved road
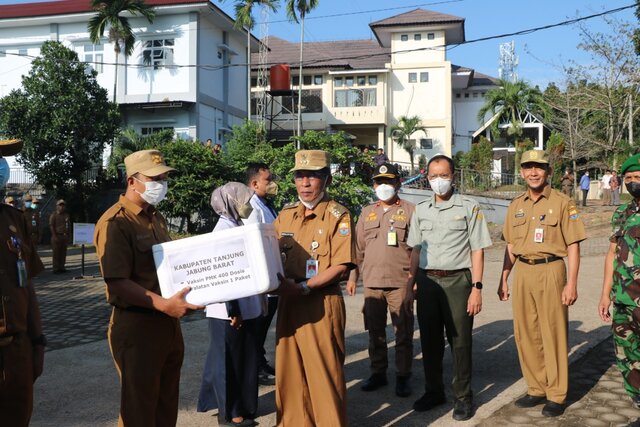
80, 386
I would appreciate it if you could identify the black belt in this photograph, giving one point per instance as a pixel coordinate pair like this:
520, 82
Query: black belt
445, 273
536, 261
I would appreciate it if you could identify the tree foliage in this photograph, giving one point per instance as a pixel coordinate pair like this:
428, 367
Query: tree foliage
64, 118
479, 158
402, 131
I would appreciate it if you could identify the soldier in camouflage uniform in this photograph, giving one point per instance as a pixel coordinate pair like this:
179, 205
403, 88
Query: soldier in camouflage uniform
621, 283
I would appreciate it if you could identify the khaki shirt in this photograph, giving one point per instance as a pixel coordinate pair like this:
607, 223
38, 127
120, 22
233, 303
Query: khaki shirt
33, 222
329, 225
447, 232
60, 223
554, 213
124, 236
15, 243
382, 265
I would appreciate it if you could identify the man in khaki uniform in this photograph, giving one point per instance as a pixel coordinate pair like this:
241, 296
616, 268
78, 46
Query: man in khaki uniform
542, 227
144, 332
33, 218
382, 255
317, 245
60, 226
448, 233
21, 340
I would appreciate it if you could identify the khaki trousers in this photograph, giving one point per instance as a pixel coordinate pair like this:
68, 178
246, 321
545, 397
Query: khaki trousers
147, 349
59, 249
310, 385
400, 305
540, 323
16, 382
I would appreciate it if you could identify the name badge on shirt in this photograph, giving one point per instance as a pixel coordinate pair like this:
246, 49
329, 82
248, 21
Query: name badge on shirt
312, 268
538, 235
22, 273
392, 238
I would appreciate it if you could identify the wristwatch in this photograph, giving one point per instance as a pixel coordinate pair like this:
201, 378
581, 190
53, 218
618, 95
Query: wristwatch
305, 288
477, 285
39, 340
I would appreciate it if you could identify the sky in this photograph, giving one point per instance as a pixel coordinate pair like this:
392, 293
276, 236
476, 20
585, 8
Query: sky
541, 54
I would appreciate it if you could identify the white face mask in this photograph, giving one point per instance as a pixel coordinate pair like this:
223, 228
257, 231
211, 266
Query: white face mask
312, 204
440, 186
385, 192
154, 191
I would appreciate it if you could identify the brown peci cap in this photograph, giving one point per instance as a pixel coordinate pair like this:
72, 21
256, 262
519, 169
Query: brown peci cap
10, 147
311, 160
147, 162
535, 156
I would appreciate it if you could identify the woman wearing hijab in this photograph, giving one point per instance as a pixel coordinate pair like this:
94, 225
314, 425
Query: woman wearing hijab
230, 377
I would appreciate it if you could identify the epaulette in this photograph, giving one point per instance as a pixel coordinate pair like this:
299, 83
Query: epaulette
427, 199
111, 213
291, 205
336, 209
520, 195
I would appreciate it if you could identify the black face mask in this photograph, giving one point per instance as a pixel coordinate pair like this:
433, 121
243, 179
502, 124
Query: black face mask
634, 189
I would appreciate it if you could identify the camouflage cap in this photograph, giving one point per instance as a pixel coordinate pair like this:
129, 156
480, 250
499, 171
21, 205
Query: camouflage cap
147, 162
535, 156
632, 164
311, 160
10, 147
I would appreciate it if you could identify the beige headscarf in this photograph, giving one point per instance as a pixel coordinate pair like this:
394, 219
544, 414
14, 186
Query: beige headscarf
226, 200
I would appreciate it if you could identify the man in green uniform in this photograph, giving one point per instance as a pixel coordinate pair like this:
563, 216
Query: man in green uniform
383, 257
541, 228
144, 332
621, 284
21, 340
448, 234
316, 241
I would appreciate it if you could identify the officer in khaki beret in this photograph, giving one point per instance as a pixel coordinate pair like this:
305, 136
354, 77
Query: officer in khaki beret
317, 244
541, 228
144, 331
21, 339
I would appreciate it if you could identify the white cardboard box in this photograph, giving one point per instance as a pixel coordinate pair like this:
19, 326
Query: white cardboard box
220, 266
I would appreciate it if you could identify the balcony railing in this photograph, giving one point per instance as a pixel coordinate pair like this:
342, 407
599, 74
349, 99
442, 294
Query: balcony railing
491, 184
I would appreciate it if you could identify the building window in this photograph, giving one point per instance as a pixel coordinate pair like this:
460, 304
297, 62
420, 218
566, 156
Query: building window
337, 81
355, 98
466, 95
348, 81
373, 80
311, 101
254, 81
149, 130
417, 37
413, 77
22, 52
317, 80
424, 77
362, 81
158, 53
426, 143
295, 80
475, 94
92, 55
306, 80
431, 36
404, 37
457, 95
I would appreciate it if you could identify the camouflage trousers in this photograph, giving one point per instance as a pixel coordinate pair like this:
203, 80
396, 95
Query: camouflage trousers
626, 341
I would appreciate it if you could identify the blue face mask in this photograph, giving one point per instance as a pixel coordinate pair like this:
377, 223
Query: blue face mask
4, 172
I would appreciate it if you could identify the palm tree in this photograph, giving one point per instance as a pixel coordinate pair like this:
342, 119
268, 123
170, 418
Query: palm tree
120, 32
510, 100
244, 18
402, 131
302, 7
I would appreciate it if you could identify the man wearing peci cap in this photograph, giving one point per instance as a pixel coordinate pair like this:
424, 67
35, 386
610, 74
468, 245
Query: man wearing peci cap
144, 331
448, 234
620, 284
382, 255
21, 339
541, 228
317, 246
60, 227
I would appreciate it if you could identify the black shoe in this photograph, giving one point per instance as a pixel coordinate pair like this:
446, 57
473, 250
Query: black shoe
268, 369
528, 401
374, 382
462, 410
428, 401
403, 387
265, 378
553, 409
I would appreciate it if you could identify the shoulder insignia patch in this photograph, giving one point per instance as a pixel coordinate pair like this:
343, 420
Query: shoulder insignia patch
337, 210
343, 229
371, 217
291, 205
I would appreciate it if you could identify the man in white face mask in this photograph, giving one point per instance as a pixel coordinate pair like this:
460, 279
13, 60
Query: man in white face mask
383, 258
448, 234
144, 331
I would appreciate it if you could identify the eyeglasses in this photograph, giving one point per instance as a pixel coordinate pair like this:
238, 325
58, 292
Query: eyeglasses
300, 175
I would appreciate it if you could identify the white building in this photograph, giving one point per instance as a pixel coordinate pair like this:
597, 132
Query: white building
363, 86
192, 86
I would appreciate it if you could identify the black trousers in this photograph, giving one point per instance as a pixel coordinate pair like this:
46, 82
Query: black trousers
442, 308
584, 197
264, 323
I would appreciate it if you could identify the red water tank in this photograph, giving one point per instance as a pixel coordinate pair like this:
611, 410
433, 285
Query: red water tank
280, 78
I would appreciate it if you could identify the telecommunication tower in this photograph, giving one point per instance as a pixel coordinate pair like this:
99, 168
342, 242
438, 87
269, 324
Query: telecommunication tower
508, 62
263, 78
